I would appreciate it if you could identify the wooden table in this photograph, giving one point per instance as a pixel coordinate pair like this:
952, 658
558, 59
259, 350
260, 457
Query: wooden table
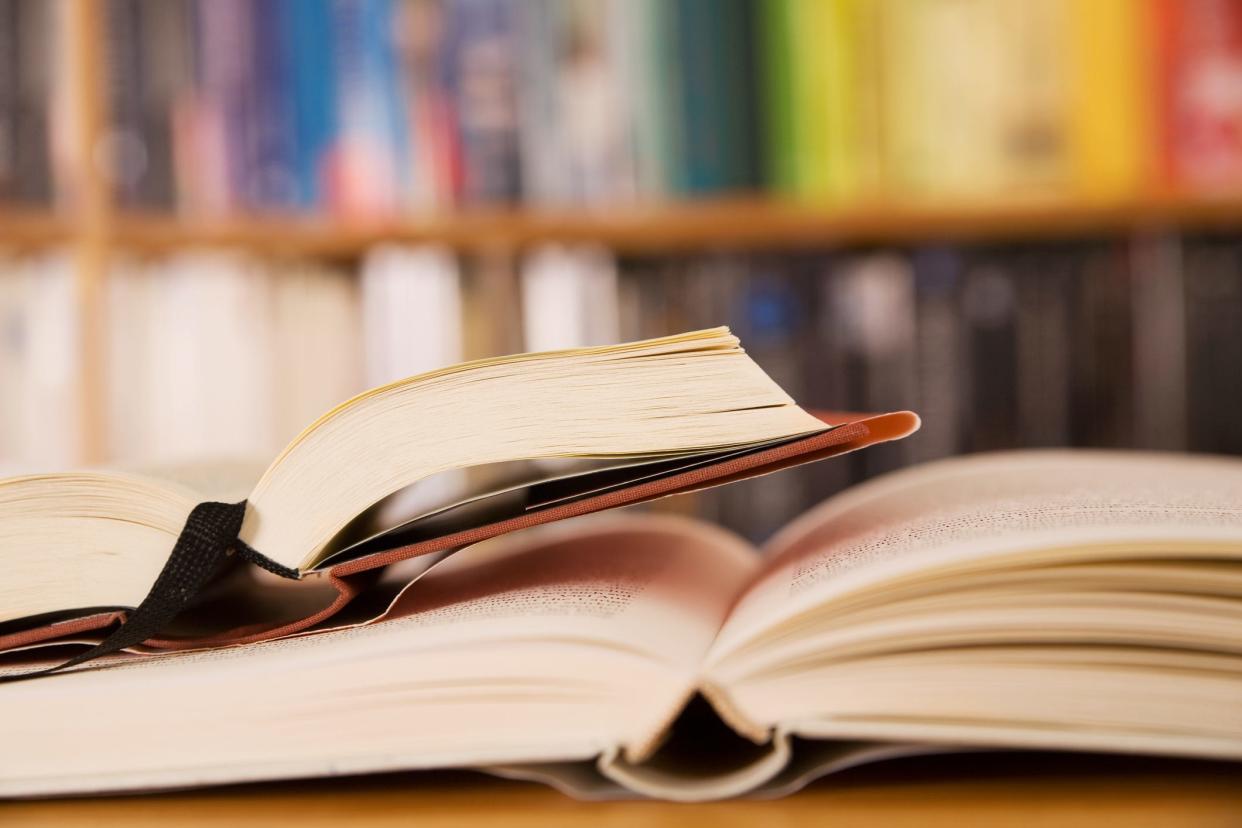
1041, 790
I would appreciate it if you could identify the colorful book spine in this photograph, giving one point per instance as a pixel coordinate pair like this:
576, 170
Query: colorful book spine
1112, 119
313, 92
368, 162
717, 119
1200, 60
271, 140
480, 59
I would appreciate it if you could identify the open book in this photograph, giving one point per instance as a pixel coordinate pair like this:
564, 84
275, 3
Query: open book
1058, 599
177, 568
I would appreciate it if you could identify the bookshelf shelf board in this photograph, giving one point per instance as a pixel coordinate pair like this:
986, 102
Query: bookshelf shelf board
718, 223
25, 228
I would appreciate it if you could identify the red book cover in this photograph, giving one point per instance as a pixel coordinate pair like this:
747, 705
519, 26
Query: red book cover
1200, 88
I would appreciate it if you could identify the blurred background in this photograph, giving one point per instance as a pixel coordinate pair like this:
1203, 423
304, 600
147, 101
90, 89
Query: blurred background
1021, 218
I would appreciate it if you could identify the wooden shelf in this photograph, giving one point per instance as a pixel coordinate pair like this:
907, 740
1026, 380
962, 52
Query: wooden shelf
706, 225
22, 228
691, 226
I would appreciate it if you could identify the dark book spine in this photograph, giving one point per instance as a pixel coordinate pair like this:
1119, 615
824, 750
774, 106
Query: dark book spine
939, 352
989, 314
125, 76
9, 97
480, 71
1103, 385
1160, 358
165, 75
271, 151
32, 148
717, 118
1044, 288
1213, 322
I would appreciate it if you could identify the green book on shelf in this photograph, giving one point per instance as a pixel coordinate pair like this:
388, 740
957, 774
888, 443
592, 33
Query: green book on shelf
779, 96
820, 80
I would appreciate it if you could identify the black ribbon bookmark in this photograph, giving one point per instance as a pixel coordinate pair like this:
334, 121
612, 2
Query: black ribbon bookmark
208, 538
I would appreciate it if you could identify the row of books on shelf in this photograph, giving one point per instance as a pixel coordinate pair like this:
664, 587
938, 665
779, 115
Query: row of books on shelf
381, 107
218, 353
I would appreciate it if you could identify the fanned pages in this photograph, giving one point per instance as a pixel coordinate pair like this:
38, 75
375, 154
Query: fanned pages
81, 540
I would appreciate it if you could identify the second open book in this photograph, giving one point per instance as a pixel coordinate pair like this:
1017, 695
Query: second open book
1068, 600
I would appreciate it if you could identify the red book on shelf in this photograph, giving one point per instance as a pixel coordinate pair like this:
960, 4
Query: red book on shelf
1199, 82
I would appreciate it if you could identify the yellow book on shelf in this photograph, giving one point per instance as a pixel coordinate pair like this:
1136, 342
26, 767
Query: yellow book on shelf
831, 85
811, 71
974, 96
848, 47
1111, 118
939, 85
1033, 125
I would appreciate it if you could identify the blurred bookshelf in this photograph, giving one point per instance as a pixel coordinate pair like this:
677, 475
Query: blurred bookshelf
675, 164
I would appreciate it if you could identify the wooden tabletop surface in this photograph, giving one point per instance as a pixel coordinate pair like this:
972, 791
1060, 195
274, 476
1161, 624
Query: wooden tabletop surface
1039, 790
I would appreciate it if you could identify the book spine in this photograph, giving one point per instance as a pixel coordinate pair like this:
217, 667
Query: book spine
569, 298
480, 59
939, 352
547, 167
9, 97
1213, 316
49, 405
717, 118
314, 106
1160, 346
1200, 43
1044, 285
271, 148
369, 164
1032, 139
643, 50
161, 25
850, 154
1103, 381
223, 78
33, 144
815, 87
780, 107
1111, 44
989, 297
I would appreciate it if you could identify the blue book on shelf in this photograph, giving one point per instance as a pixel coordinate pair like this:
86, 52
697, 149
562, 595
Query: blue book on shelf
271, 149
314, 95
480, 73
714, 72
372, 150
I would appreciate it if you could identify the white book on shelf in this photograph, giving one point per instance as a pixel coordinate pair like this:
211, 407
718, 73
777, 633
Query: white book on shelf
411, 311
569, 297
128, 298
210, 372
48, 411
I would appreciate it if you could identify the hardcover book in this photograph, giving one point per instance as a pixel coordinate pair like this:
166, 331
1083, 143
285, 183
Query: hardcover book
653, 418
